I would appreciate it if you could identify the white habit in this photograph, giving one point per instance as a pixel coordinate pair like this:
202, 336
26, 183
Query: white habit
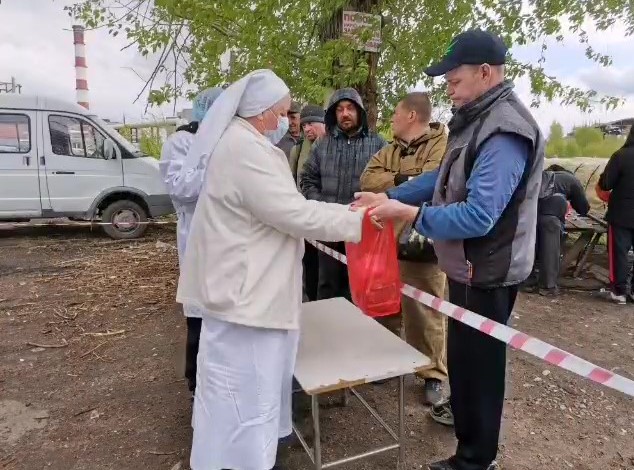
243, 269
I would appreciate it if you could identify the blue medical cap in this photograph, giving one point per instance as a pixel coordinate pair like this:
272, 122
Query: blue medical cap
203, 102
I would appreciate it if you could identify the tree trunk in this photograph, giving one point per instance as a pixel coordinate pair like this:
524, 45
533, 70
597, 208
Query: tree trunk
368, 90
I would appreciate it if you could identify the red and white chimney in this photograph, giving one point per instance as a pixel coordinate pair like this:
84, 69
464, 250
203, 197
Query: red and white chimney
81, 70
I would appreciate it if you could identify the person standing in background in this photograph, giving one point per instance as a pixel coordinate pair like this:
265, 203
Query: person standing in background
618, 178
184, 190
313, 127
418, 146
333, 171
558, 187
294, 134
311, 120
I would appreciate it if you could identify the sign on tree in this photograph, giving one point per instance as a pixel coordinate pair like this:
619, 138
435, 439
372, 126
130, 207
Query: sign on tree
358, 26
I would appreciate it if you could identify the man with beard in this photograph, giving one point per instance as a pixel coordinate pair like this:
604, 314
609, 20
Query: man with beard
333, 171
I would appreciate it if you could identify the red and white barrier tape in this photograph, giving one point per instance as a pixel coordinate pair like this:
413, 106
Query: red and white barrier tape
514, 338
83, 223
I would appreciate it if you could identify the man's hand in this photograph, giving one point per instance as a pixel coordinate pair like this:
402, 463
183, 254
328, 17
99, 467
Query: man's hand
394, 210
366, 199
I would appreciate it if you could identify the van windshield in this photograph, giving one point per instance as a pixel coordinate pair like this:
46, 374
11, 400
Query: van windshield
113, 134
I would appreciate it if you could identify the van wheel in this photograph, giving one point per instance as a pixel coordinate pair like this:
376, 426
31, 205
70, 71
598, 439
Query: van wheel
125, 219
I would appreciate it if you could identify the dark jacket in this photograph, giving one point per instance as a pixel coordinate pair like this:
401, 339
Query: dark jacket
336, 162
566, 184
618, 177
286, 144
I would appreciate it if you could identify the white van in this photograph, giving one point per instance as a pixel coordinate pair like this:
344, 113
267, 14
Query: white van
58, 160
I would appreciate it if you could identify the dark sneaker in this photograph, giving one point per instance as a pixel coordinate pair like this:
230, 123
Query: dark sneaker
433, 392
441, 465
630, 298
447, 465
441, 413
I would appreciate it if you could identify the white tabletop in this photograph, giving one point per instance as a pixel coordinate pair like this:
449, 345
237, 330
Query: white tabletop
340, 347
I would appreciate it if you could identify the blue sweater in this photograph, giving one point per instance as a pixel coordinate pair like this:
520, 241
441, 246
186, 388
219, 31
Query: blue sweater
497, 172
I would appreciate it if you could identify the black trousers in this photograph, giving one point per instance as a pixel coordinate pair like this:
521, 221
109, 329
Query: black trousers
477, 370
620, 241
191, 350
311, 271
548, 254
333, 275
551, 214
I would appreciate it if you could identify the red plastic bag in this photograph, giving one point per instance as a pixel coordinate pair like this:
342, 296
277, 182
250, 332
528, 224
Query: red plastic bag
375, 282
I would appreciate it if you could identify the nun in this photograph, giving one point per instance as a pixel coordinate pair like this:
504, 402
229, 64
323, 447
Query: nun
183, 188
243, 269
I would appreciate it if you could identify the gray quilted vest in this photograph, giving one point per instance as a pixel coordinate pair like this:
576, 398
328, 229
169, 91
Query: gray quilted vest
505, 255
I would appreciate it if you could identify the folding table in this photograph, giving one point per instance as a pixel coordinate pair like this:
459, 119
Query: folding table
341, 348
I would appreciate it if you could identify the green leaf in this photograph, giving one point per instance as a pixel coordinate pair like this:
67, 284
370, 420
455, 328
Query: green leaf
301, 41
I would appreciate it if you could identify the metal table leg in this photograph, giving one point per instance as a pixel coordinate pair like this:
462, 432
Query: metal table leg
317, 432
572, 254
586, 252
401, 422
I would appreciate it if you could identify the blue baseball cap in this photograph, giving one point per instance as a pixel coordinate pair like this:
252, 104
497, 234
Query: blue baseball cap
473, 47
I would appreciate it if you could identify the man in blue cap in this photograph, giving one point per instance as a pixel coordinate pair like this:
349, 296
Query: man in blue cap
480, 209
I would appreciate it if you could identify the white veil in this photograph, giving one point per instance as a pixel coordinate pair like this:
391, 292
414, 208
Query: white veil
251, 95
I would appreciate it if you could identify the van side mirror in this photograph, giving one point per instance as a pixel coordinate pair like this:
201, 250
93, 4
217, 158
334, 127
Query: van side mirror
109, 150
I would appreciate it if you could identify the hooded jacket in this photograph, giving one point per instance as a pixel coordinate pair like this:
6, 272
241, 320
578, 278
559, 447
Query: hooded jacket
337, 160
618, 177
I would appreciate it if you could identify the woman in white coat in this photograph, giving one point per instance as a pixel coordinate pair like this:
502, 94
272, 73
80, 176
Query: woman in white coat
183, 188
243, 268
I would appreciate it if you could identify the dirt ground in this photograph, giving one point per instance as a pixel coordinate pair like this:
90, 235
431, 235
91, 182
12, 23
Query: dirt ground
91, 370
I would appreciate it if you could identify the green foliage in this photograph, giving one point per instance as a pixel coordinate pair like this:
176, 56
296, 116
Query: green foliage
126, 131
300, 40
556, 131
587, 135
584, 142
151, 144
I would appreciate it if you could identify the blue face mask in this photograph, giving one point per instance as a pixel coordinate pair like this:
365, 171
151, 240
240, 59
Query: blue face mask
276, 135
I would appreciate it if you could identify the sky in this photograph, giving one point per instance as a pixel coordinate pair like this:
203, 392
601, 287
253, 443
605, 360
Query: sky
36, 47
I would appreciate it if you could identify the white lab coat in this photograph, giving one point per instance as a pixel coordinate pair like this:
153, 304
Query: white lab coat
183, 193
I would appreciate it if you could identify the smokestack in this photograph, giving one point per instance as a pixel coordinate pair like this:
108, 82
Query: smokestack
81, 75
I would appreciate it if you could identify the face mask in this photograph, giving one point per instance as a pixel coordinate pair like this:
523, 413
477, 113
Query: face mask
276, 135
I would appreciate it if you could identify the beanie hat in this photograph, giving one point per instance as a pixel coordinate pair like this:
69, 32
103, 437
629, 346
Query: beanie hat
312, 113
295, 108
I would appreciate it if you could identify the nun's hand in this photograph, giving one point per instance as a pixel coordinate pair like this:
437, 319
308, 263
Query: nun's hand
394, 210
365, 199
362, 210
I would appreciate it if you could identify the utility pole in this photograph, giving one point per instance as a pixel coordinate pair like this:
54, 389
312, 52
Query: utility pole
10, 87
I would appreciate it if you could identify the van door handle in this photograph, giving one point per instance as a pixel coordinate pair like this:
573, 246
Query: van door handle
63, 172
42, 160
26, 160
